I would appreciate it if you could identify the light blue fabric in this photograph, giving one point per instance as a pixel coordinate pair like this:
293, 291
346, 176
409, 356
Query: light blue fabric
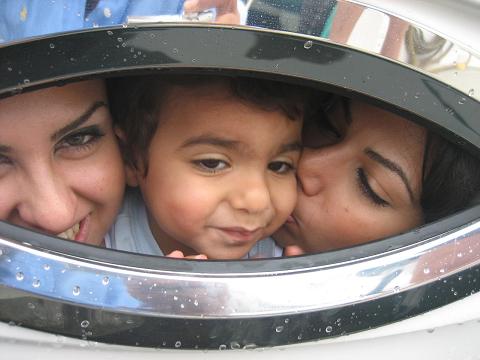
26, 18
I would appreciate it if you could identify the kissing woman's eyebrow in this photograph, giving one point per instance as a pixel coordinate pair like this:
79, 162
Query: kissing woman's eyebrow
78, 121
393, 167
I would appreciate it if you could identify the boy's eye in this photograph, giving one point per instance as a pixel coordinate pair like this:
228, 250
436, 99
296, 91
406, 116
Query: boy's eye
5, 160
280, 167
211, 165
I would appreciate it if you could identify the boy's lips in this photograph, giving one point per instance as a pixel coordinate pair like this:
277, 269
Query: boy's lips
78, 232
241, 234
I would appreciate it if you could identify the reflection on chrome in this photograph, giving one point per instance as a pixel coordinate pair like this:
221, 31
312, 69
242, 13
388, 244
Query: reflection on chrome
98, 285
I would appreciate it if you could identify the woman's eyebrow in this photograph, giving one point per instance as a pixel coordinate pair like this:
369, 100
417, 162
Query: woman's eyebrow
78, 121
392, 166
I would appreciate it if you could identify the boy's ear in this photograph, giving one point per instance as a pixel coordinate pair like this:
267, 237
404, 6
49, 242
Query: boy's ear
131, 172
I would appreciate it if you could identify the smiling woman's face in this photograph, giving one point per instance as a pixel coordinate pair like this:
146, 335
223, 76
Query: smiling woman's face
363, 188
60, 167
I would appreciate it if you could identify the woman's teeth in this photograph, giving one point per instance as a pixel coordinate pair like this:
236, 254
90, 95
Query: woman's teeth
70, 233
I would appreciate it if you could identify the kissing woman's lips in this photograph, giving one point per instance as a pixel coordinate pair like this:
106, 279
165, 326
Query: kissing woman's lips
78, 232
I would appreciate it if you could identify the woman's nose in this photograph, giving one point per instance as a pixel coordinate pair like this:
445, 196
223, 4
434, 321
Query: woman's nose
251, 195
49, 205
317, 168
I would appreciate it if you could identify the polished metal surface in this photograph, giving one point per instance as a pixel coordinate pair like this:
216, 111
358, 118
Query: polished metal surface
206, 295
383, 42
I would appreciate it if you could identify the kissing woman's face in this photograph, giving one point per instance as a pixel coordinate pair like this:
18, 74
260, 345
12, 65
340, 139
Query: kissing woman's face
363, 188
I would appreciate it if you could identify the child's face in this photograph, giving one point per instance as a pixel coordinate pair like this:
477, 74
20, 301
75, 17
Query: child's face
220, 173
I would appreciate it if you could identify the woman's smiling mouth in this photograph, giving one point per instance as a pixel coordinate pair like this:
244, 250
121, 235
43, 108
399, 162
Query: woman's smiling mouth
78, 232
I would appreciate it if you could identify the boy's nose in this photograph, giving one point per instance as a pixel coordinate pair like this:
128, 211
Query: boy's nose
252, 196
48, 205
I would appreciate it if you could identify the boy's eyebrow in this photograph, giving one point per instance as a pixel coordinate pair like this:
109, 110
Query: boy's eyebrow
294, 146
210, 140
392, 166
78, 121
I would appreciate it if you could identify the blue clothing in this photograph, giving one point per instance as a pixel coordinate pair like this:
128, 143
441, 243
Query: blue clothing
27, 18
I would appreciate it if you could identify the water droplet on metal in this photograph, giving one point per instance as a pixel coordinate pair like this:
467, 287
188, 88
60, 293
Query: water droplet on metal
471, 92
85, 323
308, 44
76, 291
105, 280
195, 302
46, 267
279, 329
119, 39
107, 12
26, 81
52, 46
328, 329
286, 321
175, 50
31, 306
426, 270
36, 283
109, 32
222, 347
396, 289
19, 276
175, 297
234, 345
462, 101
178, 344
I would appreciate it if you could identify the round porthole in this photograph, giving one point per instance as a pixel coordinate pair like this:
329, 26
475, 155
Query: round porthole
114, 297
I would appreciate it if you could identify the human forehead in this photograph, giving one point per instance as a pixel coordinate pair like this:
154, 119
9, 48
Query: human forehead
215, 106
50, 105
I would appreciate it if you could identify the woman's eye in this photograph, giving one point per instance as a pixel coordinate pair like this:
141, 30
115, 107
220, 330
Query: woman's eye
80, 140
211, 165
280, 167
367, 190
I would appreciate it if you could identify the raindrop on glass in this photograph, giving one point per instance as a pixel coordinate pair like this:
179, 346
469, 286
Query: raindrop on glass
308, 44
279, 329
107, 12
471, 92
36, 283
462, 101
26, 81
195, 302
52, 46
328, 329
426, 270
46, 267
222, 347
182, 306
119, 39
19, 276
234, 345
85, 323
109, 32
178, 344
76, 291
105, 280
286, 321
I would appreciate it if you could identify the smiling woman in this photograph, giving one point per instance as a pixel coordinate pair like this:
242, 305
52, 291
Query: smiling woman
60, 167
367, 173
